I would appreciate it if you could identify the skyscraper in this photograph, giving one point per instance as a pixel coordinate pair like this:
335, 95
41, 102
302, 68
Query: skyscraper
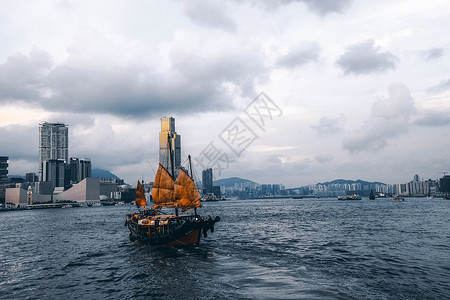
85, 169
3, 168
53, 144
207, 181
79, 169
168, 130
53, 171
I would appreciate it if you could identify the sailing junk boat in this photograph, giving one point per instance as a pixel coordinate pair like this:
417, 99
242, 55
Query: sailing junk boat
153, 227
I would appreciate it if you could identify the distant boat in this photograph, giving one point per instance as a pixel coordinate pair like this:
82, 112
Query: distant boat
372, 195
209, 198
66, 206
398, 199
350, 197
153, 227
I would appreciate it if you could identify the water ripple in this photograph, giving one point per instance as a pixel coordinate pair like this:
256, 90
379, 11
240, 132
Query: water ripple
289, 249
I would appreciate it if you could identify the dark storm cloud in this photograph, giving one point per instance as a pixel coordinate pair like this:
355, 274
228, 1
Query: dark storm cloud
432, 53
327, 126
209, 13
303, 54
195, 81
72, 119
365, 58
389, 118
21, 76
19, 142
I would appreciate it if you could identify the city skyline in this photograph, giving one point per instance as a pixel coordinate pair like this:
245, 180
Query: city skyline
362, 88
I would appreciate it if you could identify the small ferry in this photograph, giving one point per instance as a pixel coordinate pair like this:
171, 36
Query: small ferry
350, 197
398, 199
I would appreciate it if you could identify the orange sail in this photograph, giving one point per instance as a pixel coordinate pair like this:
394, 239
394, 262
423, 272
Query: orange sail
186, 193
140, 196
163, 191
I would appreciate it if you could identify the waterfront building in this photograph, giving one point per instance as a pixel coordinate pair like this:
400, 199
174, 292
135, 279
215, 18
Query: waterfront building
85, 169
78, 169
74, 165
43, 188
207, 181
109, 186
4, 168
19, 197
53, 171
53, 144
87, 190
416, 187
31, 177
216, 191
168, 129
444, 184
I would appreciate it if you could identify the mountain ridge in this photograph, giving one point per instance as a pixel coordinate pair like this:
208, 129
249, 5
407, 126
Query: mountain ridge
102, 173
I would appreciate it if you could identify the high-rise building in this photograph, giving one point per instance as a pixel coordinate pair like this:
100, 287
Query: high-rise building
168, 132
53, 144
444, 184
79, 169
85, 169
74, 166
207, 181
3, 168
53, 171
30, 177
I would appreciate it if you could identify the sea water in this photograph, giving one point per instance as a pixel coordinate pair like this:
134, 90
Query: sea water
261, 249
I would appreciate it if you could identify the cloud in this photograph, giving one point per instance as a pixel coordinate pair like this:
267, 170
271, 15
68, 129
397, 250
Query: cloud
301, 55
122, 149
433, 118
103, 76
324, 7
327, 126
366, 58
432, 53
209, 14
324, 159
389, 118
441, 87
20, 142
320, 7
22, 76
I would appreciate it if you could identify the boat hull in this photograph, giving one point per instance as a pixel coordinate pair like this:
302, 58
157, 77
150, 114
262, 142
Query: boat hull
169, 230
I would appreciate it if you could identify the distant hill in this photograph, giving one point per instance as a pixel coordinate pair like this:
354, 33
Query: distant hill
230, 182
342, 181
16, 176
101, 173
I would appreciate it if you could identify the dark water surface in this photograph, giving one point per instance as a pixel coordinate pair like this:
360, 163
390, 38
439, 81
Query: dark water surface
276, 249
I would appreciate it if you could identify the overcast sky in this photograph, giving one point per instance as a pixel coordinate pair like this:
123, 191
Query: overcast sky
352, 89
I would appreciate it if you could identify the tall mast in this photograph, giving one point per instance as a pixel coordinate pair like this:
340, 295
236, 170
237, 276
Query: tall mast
171, 156
192, 176
190, 166
171, 164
